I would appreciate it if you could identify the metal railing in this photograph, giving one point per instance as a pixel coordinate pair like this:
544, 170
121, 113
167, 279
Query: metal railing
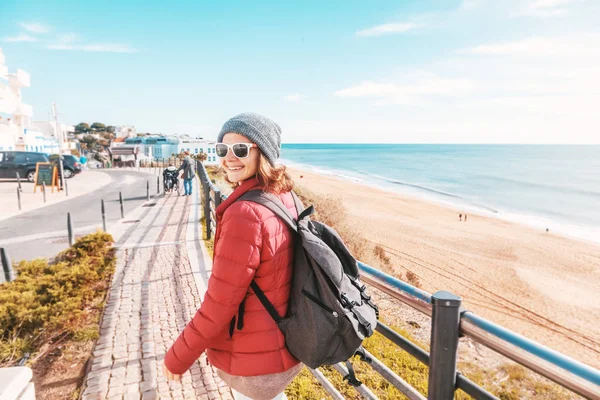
449, 322
211, 199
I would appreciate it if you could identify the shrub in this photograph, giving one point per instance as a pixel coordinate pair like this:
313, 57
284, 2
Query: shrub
413, 279
380, 253
50, 302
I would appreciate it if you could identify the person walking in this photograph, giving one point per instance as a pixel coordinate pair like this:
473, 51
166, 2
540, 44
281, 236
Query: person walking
188, 173
251, 244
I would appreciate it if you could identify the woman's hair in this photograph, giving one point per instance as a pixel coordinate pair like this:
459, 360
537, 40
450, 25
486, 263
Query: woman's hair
274, 179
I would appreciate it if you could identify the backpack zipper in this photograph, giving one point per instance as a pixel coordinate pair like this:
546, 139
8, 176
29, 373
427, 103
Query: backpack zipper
317, 302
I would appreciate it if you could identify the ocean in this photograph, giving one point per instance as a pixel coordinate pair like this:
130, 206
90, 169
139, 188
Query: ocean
543, 186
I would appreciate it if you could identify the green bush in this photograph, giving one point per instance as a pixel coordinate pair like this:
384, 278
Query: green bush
50, 302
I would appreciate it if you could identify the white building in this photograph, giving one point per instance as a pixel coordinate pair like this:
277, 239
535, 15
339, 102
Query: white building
17, 131
199, 146
50, 132
16, 115
125, 131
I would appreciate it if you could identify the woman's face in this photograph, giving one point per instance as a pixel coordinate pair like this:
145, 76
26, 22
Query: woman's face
239, 169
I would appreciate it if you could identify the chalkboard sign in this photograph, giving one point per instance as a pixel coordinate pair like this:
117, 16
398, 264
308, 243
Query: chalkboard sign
44, 172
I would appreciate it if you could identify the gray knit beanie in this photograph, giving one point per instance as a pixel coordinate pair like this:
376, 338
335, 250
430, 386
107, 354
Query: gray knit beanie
259, 129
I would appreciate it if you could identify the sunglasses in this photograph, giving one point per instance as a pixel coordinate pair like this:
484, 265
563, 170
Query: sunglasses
240, 150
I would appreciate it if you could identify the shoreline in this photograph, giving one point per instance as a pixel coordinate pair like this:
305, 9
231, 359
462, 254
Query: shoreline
543, 285
587, 234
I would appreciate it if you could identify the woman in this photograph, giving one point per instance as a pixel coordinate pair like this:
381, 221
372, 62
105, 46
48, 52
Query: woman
251, 243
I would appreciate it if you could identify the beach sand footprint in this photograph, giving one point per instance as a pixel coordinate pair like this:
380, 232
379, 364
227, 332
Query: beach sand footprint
559, 289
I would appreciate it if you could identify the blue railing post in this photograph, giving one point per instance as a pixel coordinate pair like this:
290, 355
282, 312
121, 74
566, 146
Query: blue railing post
445, 320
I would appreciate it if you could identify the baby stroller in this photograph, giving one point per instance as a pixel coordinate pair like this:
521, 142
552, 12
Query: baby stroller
170, 180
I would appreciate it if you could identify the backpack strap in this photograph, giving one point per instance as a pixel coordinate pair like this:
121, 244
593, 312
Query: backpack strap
298, 203
273, 203
351, 377
363, 293
265, 302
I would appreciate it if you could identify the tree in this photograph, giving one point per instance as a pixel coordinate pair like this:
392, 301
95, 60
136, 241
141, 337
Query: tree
89, 141
82, 127
110, 129
98, 127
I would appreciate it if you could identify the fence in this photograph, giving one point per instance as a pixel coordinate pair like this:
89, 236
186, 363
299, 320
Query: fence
211, 198
449, 322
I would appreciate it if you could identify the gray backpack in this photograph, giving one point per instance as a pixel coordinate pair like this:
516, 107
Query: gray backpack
330, 313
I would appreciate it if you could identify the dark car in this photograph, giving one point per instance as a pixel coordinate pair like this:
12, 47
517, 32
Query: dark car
22, 162
71, 164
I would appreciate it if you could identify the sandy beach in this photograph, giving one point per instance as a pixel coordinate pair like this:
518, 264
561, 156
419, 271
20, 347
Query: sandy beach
539, 284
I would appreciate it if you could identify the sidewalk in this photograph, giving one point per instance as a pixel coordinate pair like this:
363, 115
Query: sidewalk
156, 290
83, 183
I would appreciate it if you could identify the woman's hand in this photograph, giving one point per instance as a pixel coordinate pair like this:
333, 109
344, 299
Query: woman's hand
171, 376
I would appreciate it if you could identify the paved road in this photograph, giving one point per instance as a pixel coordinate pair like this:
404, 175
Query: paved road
42, 232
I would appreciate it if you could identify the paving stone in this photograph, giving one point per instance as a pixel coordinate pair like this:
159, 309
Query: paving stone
151, 298
150, 395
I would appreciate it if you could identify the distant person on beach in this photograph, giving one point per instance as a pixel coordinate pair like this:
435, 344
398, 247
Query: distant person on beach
187, 166
251, 244
465, 217
460, 217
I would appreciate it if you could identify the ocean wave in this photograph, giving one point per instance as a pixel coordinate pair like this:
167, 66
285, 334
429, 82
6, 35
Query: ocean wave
322, 170
528, 184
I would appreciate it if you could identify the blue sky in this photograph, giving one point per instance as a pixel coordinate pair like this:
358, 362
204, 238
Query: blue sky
471, 71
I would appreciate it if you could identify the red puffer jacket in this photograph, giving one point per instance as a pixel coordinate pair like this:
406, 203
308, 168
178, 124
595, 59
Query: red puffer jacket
250, 243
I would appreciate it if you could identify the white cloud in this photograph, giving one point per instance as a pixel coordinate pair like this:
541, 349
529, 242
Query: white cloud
109, 48
72, 42
541, 46
21, 38
469, 4
294, 97
68, 38
387, 29
545, 8
35, 27
392, 93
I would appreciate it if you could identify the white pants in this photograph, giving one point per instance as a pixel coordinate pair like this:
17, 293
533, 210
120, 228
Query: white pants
239, 396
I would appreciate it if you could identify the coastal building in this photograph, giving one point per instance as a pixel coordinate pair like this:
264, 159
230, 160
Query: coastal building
162, 147
154, 146
15, 115
125, 131
198, 146
118, 142
17, 130
54, 132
